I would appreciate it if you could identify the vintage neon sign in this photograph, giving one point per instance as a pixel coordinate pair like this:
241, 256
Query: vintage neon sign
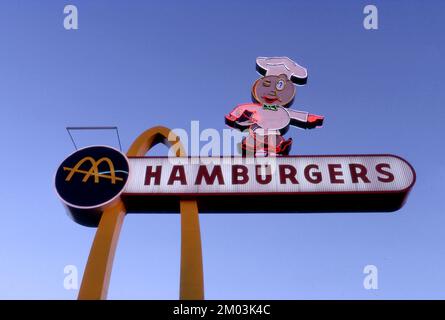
99, 185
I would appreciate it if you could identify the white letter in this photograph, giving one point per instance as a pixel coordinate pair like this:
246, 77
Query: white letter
174, 136
71, 20
371, 281
194, 138
212, 148
237, 136
70, 281
371, 21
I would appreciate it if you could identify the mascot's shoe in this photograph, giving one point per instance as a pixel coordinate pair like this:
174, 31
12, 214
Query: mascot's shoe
249, 150
283, 148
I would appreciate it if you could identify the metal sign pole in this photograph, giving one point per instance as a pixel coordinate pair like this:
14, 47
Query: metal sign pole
96, 278
192, 277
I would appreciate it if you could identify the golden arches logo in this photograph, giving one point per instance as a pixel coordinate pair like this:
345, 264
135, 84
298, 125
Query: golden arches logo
94, 170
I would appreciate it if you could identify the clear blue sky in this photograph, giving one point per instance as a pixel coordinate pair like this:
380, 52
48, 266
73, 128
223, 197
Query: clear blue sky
138, 64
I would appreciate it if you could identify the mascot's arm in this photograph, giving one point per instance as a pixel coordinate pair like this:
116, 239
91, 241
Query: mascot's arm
242, 115
304, 119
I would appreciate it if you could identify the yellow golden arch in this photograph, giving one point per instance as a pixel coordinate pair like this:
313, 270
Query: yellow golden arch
97, 273
94, 170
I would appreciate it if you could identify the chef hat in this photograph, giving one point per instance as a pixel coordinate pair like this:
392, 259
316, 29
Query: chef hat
274, 66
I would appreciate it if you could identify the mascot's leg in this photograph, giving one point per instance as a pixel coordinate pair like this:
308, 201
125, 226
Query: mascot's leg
253, 145
269, 145
277, 145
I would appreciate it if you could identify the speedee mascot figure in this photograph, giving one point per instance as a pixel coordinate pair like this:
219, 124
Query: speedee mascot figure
269, 117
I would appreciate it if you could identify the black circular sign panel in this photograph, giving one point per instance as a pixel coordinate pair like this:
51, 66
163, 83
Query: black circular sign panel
92, 177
